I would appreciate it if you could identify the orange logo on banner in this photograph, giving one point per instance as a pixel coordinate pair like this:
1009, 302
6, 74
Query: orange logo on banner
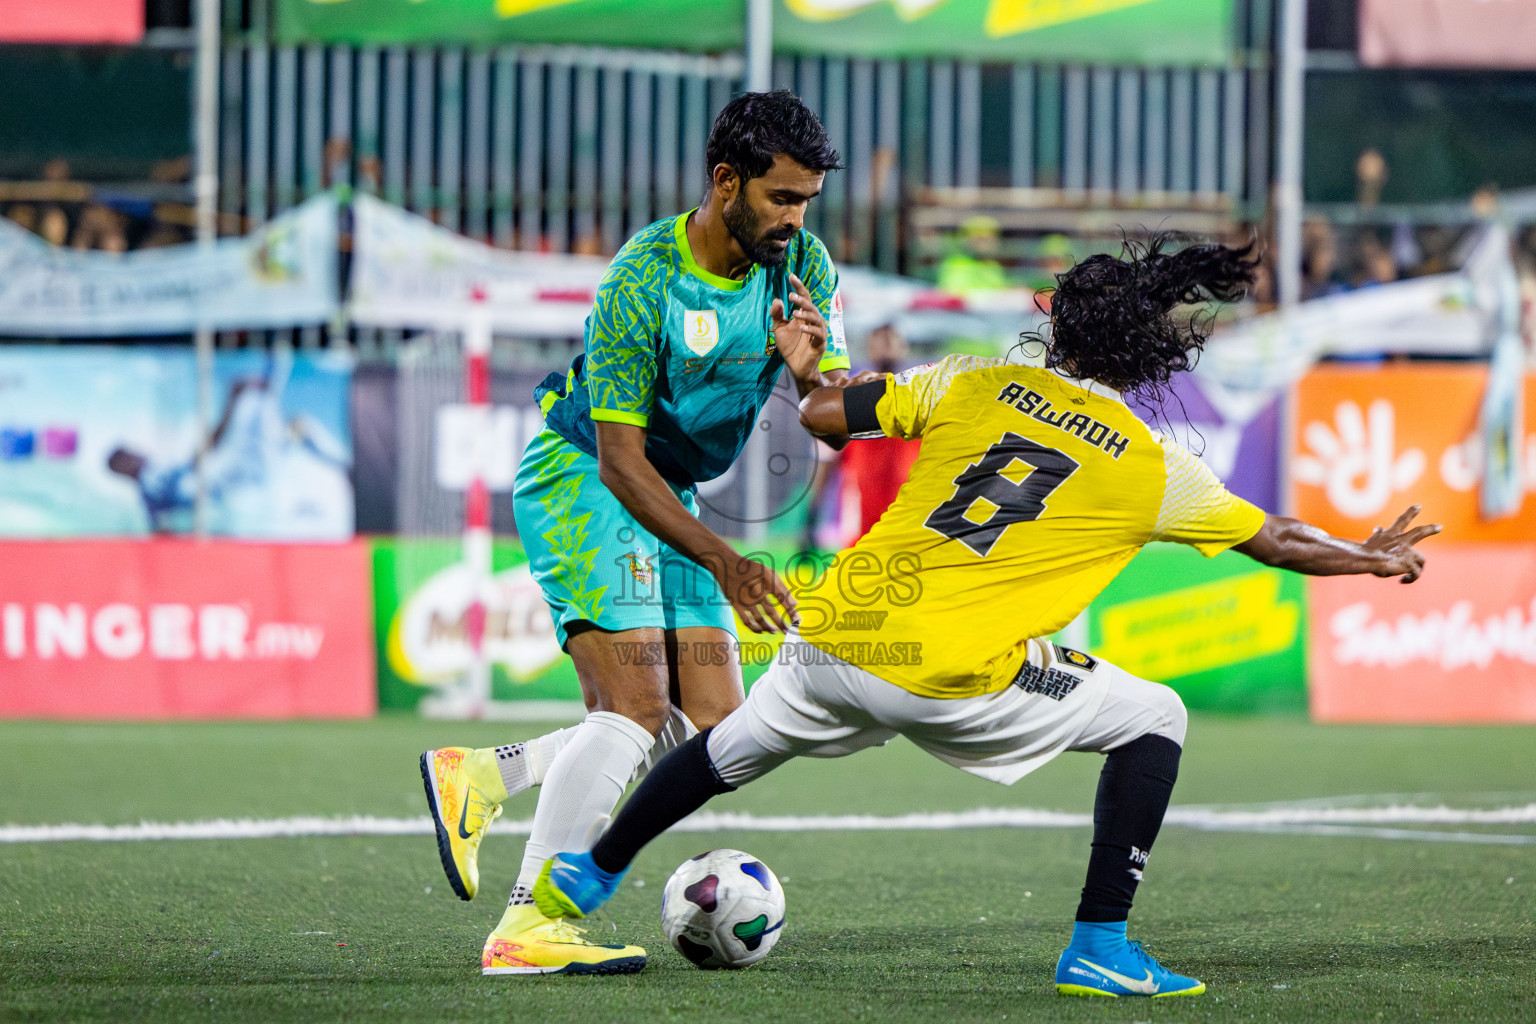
1459, 645
1369, 441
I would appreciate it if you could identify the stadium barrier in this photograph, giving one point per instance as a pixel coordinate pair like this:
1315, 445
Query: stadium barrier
169, 629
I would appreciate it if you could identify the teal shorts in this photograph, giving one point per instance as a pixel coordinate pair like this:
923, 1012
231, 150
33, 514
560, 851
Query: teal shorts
593, 561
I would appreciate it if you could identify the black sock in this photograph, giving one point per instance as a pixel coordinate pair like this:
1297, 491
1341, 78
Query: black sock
1134, 789
680, 784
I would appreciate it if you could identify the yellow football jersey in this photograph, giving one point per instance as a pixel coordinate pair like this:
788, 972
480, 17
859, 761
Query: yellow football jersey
1031, 493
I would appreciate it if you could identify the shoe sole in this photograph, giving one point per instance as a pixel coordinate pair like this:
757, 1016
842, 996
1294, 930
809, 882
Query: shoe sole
444, 844
1084, 990
624, 965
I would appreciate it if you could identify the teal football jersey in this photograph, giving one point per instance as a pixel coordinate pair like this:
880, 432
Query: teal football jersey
684, 353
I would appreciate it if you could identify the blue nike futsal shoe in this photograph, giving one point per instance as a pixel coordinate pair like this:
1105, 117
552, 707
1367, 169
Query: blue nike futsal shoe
1126, 971
571, 885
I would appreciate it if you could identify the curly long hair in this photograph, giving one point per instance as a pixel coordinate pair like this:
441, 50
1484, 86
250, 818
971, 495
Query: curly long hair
1113, 319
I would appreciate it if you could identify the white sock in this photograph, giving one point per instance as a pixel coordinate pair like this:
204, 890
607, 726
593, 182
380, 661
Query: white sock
582, 787
524, 765
676, 732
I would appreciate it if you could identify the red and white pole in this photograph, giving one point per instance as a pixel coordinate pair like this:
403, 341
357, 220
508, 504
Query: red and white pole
477, 499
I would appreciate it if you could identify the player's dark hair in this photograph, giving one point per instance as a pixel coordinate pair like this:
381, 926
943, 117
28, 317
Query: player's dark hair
1113, 319
757, 126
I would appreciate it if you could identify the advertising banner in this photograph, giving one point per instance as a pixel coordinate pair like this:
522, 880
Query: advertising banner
283, 274
1106, 31
1227, 633
408, 272
1368, 442
1448, 33
422, 599
1459, 645
98, 441
71, 21
1243, 453
175, 629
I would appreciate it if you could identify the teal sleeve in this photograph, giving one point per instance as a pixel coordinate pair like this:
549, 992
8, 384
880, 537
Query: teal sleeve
820, 279
620, 366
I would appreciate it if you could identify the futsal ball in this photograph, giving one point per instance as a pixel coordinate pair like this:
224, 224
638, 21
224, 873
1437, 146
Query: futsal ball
724, 909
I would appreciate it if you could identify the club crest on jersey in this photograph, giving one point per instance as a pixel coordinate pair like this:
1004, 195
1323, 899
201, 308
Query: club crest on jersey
701, 330
1076, 659
640, 568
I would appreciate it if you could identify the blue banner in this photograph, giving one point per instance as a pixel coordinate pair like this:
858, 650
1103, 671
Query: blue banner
98, 441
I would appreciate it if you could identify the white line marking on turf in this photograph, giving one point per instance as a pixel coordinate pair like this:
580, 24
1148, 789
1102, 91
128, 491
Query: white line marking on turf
1368, 822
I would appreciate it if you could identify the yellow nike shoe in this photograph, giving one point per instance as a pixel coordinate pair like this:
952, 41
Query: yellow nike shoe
464, 793
527, 942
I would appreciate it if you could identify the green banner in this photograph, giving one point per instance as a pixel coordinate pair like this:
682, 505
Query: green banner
421, 599
1179, 32
421, 595
1227, 633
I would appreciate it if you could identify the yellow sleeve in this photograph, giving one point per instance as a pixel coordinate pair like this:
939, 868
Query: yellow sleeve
1197, 510
912, 395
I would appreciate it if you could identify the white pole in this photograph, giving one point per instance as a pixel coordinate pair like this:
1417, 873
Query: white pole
759, 45
205, 186
1293, 57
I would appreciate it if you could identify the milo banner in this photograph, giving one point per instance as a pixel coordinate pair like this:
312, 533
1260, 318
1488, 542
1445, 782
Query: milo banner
1226, 632
422, 594
1101, 31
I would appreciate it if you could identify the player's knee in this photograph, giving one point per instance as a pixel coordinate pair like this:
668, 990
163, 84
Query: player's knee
1173, 717
647, 708
708, 714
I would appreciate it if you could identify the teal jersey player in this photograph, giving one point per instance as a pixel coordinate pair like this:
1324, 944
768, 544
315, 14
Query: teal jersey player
684, 353
695, 323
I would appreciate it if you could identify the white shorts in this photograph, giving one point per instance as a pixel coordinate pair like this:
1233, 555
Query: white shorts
830, 708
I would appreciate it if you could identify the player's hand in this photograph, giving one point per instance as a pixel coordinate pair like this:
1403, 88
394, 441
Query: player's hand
801, 337
753, 588
1396, 544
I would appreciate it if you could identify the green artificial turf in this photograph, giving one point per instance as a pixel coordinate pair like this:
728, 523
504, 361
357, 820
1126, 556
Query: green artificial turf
890, 926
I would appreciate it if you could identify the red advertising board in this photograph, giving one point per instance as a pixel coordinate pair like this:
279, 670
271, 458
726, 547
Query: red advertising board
1459, 645
1366, 442
179, 629
71, 21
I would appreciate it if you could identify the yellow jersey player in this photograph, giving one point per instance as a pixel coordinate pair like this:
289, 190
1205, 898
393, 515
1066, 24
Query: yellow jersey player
1035, 486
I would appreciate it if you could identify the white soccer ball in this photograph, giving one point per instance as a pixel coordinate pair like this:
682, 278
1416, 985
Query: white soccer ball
723, 908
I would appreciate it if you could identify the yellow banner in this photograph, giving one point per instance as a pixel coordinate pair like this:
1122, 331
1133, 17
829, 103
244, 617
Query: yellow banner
1199, 628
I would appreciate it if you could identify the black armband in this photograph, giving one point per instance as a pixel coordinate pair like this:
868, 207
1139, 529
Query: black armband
859, 403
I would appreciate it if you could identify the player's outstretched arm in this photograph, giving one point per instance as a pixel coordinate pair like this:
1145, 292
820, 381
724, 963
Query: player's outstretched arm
1299, 546
748, 585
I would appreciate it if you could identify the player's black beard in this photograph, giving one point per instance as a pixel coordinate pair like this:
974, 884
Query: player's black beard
741, 221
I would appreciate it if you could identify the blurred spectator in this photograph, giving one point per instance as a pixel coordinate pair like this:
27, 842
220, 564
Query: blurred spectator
1370, 176
101, 227
23, 215
974, 267
1319, 260
162, 235
54, 226
1373, 261
1435, 242
873, 469
1054, 257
